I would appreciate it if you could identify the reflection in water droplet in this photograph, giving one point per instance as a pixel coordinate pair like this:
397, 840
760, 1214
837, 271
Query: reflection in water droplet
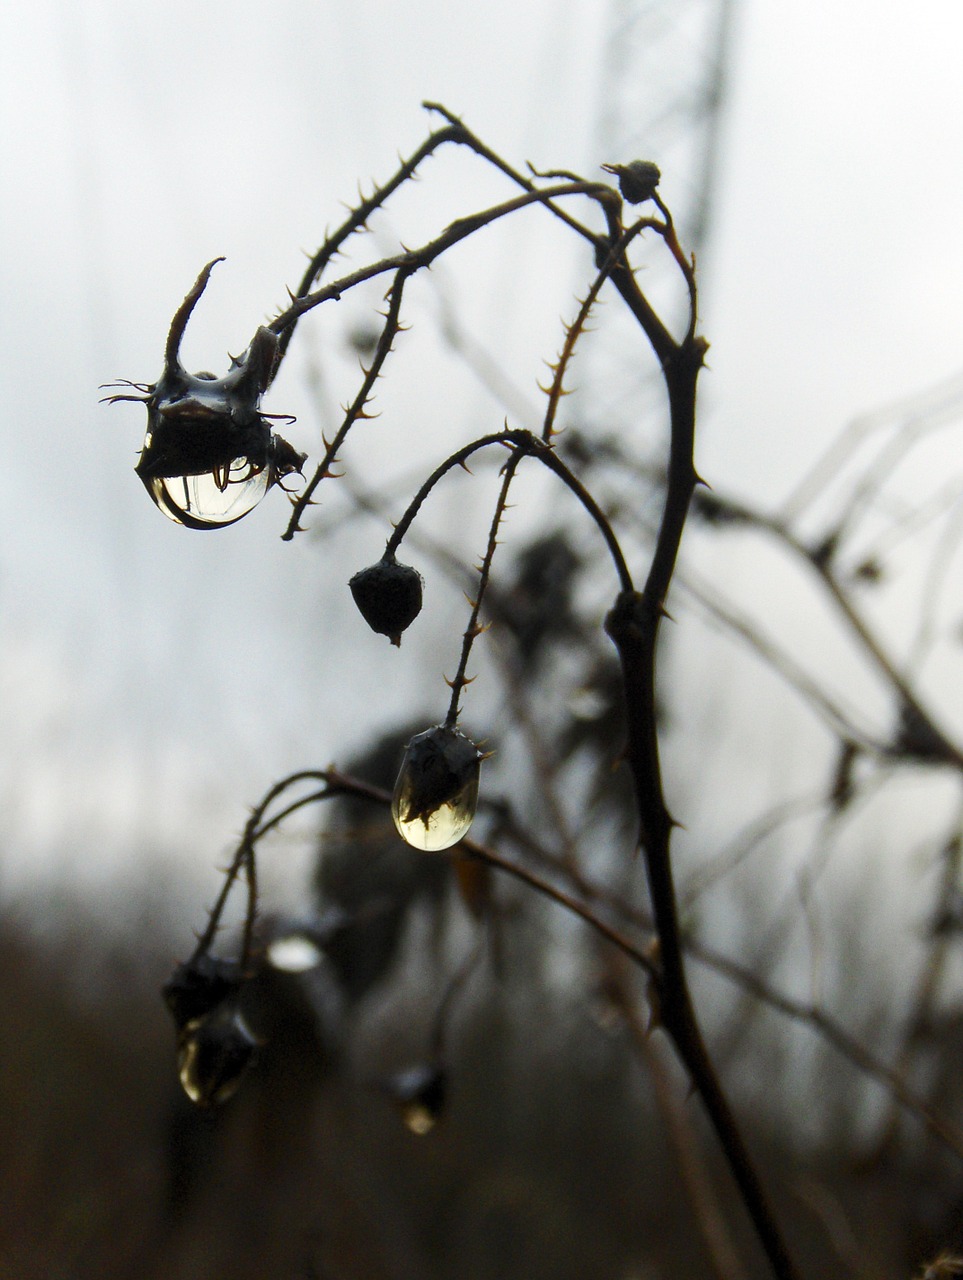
439, 829
213, 498
436, 793
214, 1052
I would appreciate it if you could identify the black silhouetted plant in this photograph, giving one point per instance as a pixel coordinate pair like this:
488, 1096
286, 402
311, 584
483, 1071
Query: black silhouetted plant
210, 455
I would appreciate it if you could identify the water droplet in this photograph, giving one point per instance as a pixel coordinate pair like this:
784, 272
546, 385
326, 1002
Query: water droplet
418, 1118
294, 953
209, 454
420, 1094
437, 789
213, 498
214, 1052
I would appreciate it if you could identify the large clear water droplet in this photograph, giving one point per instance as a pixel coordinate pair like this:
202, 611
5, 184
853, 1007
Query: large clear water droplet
436, 793
214, 1052
213, 498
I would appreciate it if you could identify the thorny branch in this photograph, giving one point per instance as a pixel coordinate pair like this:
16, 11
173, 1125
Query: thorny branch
633, 623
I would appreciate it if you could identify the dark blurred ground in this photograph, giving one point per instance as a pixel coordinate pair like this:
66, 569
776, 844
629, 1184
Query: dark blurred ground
550, 1159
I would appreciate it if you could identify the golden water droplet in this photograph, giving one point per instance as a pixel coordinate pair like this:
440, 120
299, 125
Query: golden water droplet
420, 1093
418, 1119
436, 793
214, 1052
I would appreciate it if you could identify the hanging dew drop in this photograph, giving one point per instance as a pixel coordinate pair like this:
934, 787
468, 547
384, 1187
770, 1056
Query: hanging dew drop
439, 829
420, 1094
214, 1052
209, 453
436, 793
418, 1119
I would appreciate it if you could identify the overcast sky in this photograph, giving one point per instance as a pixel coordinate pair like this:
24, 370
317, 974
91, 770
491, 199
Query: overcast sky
149, 675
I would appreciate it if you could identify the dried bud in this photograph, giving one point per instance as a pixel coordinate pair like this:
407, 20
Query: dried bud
388, 594
214, 1052
437, 789
638, 181
198, 986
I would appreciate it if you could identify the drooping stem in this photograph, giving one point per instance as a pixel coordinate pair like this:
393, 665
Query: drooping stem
574, 331
358, 217
474, 628
356, 410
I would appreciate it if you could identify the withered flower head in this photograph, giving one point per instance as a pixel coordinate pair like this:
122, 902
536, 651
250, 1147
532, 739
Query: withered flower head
209, 454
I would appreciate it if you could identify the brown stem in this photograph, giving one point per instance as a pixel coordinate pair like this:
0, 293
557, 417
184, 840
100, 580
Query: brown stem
633, 625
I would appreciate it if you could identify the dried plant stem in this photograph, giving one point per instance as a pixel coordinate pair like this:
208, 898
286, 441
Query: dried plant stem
356, 410
633, 625
474, 628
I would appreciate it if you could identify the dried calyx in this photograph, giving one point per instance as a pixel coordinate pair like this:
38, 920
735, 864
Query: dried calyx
388, 595
209, 454
638, 180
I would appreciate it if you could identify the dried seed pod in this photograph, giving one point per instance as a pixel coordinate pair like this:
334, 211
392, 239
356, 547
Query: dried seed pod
437, 789
214, 1052
388, 595
638, 181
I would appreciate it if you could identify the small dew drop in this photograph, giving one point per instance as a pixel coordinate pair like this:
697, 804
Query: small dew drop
436, 794
420, 1094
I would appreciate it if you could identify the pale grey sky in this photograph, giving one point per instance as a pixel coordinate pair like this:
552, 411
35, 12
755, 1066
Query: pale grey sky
150, 677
